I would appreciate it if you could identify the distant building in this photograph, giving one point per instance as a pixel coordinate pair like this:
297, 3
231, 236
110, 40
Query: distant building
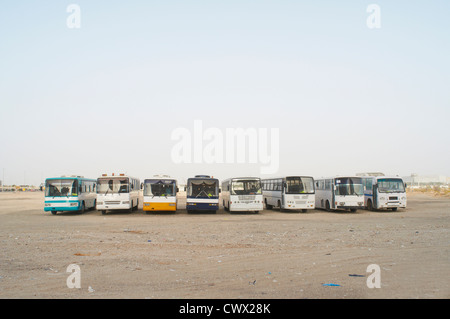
370, 174
425, 180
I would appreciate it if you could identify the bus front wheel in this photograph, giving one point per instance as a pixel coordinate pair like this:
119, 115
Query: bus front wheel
327, 206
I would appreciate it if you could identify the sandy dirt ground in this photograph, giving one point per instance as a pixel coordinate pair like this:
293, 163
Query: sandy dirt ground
271, 254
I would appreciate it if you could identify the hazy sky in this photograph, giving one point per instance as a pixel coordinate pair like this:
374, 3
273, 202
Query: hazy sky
106, 97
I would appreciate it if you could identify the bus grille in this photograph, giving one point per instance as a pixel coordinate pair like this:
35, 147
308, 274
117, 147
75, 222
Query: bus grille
115, 202
393, 198
300, 202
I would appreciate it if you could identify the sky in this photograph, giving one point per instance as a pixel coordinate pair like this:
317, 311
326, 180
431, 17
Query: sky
107, 96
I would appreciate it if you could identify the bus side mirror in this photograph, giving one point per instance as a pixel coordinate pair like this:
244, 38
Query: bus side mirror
220, 190
185, 188
142, 185
178, 189
406, 185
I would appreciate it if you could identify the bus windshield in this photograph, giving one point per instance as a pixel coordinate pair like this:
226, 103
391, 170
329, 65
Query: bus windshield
349, 186
246, 187
61, 187
202, 188
299, 185
159, 188
112, 185
391, 185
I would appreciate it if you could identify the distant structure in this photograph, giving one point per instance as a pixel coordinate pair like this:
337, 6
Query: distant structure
426, 180
370, 174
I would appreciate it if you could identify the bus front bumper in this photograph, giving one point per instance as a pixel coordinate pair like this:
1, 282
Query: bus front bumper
117, 206
202, 206
160, 207
58, 208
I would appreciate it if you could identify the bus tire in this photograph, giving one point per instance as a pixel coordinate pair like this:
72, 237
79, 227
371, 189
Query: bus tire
327, 206
54, 212
394, 209
83, 207
353, 210
103, 212
269, 207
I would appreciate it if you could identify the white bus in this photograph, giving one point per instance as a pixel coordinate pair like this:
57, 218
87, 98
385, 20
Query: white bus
117, 192
340, 192
242, 194
383, 192
69, 193
289, 193
160, 194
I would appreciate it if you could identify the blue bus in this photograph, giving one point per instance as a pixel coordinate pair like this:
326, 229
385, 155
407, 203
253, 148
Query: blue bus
69, 193
202, 194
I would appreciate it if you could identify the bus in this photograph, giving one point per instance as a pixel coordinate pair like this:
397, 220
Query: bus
117, 192
202, 194
383, 192
289, 193
242, 194
160, 194
340, 192
69, 193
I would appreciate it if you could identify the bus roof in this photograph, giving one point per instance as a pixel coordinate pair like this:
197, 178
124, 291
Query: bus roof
287, 176
115, 175
341, 176
239, 178
384, 177
159, 179
198, 177
70, 177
